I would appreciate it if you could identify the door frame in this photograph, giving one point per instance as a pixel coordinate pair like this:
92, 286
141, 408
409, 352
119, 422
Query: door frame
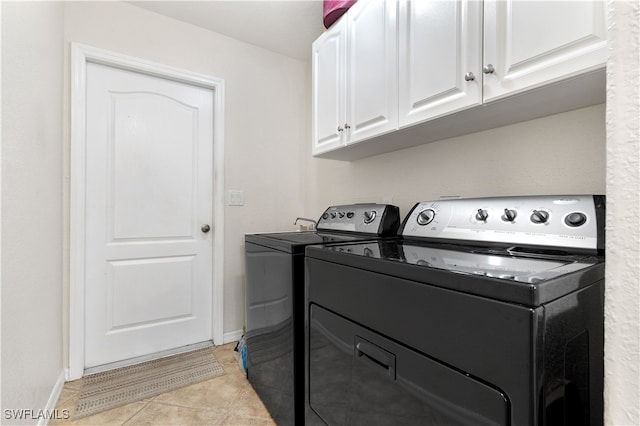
80, 56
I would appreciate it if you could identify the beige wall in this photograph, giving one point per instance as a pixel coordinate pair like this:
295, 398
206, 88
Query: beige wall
622, 293
265, 131
563, 153
32, 76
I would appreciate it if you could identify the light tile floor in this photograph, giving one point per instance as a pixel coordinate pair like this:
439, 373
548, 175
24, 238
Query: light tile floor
224, 400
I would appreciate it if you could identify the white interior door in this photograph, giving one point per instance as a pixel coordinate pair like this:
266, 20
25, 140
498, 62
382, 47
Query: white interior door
149, 189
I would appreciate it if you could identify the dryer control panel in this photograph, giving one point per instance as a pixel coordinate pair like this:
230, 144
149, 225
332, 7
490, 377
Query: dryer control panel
377, 219
573, 221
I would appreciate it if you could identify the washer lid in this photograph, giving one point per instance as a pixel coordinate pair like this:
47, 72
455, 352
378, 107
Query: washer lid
503, 266
295, 242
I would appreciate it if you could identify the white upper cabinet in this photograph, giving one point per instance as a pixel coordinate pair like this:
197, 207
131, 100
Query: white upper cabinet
372, 70
355, 79
440, 58
398, 73
533, 43
328, 61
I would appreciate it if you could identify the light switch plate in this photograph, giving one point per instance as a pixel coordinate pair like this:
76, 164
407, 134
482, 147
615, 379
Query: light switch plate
236, 197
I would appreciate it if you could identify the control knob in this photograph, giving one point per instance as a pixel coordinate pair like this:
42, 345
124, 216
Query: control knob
539, 216
369, 216
509, 215
482, 215
341, 215
350, 215
426, 216
575, 219
325, 216
333, 215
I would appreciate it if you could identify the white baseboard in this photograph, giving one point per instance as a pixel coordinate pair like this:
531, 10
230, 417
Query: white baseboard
232, 336
53, 399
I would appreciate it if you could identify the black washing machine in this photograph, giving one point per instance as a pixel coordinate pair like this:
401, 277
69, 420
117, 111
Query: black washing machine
275, 300
485, 311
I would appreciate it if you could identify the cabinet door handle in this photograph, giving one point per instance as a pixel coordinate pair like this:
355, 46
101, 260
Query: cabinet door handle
488, 69
346, 126
469, 76
340, 129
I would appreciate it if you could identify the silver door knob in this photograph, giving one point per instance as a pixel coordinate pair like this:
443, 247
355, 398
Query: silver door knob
205, 228
469, 76
488, 69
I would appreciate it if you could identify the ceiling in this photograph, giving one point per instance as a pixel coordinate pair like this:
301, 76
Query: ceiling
284, 26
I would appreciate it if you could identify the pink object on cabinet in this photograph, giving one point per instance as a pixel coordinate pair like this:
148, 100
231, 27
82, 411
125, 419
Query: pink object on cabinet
334, 9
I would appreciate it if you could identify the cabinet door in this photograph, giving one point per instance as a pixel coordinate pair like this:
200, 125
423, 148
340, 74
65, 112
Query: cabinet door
328, 62
372, 77
440, 42
533, 43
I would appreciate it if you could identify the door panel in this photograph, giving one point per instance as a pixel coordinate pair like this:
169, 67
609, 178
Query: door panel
328, 88
149, 189
533, 43
168, 284
359, 377
372, 97
450, 31
152, 166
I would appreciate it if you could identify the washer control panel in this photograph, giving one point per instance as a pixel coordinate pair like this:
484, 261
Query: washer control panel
378, 219
554, 221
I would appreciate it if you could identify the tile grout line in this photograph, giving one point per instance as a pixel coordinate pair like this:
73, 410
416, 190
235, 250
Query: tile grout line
168, 404
246, 391
136, 413
241, 391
